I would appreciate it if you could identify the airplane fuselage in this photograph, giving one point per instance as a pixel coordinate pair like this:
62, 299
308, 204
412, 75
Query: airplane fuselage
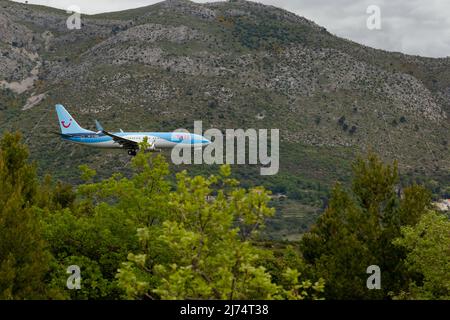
157, 140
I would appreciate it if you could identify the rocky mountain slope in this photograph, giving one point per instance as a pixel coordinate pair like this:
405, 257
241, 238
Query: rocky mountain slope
232, 64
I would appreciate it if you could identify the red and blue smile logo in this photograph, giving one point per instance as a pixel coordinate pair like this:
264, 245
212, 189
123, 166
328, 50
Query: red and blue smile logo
66, 125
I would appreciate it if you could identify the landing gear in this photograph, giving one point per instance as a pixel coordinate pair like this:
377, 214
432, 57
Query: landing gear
132, 153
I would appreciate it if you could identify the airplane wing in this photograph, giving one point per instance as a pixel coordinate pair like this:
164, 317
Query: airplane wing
126, 143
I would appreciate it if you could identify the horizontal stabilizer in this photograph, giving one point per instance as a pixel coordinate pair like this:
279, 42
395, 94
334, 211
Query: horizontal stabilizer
63, 135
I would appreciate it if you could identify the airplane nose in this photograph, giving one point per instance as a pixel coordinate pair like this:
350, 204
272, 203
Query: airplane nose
206, 141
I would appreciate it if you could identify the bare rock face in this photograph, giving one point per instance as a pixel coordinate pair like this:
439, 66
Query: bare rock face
34, 100
15, 64
313, 71
151, 33
13, 33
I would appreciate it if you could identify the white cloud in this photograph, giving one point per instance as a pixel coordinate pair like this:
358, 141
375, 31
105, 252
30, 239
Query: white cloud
420, 27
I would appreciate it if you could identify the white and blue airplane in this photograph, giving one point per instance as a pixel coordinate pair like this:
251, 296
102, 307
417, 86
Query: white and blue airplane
73, 132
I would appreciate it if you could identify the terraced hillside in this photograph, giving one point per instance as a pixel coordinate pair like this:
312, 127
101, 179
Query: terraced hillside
233, 65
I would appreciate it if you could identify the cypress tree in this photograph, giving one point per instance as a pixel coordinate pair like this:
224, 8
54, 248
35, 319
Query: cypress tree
23, 257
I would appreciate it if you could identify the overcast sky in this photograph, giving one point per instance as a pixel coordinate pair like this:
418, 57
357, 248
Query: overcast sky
419, 27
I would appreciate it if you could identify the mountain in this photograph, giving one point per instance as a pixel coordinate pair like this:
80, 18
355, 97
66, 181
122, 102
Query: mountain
234, 64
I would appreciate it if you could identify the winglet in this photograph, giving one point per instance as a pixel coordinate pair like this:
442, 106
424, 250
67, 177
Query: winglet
99, 126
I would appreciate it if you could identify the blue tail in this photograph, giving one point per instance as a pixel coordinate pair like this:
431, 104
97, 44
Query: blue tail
67, 123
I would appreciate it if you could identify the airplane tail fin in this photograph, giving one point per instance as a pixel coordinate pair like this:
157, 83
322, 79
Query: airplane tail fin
67, 123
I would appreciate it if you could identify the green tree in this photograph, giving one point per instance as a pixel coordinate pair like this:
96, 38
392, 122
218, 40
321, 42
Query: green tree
357, 230
98, 229
207, 239
23, 256
428, 254
336, 250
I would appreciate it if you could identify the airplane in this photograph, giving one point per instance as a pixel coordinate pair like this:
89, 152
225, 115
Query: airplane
73, 132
